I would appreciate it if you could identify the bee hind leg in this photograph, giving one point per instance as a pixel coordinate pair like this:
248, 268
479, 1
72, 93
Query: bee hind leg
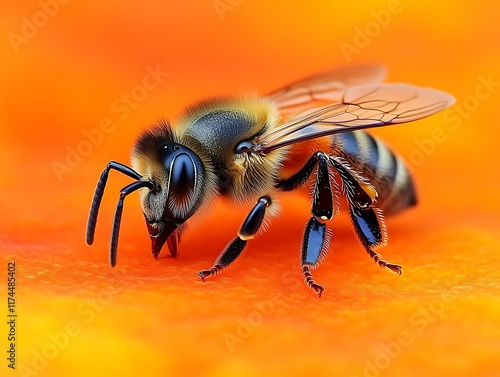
247, 231
370, 228
368, 220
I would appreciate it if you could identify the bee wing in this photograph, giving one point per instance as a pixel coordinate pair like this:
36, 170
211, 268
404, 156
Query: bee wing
363, 106
326, 87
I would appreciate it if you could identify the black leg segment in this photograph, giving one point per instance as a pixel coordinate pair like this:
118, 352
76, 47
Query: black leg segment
369, 228
228, 256
313, 243
322, 198
314, 248
299, 178
247, 231
254, 219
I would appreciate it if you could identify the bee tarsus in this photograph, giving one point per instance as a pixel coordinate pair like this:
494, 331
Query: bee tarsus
315, 287
396, 268
214, 270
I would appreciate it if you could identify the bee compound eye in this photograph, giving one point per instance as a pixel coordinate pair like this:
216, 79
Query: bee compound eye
182, 177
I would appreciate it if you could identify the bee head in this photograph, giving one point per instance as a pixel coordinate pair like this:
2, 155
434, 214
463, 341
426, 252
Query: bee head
178, 177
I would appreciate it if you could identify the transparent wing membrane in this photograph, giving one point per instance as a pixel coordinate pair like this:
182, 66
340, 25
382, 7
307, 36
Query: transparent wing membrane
360, 107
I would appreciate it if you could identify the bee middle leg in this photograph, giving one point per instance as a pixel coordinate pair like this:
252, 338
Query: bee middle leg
316, 237
247, 231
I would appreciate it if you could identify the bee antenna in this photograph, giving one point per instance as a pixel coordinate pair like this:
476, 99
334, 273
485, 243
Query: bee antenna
99, 191
118, 216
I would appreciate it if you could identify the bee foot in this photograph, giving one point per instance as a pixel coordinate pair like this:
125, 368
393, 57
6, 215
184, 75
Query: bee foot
211, 272
318, 289
396, 268
315, 287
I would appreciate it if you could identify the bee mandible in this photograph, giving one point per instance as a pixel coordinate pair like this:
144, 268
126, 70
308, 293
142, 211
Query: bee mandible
249, 148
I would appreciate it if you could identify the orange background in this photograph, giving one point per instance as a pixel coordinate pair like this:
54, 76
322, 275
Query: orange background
79, 317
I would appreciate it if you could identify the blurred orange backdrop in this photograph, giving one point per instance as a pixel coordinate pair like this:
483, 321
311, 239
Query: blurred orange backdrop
72, 98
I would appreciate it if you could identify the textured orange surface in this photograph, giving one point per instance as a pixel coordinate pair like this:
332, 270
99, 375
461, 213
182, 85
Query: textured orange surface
65, 78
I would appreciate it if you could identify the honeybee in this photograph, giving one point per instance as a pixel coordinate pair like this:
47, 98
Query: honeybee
249, 148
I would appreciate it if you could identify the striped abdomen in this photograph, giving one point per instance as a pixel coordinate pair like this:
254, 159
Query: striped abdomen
371, 158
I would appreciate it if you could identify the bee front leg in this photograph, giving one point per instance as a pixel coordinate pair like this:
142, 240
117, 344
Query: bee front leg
248, 230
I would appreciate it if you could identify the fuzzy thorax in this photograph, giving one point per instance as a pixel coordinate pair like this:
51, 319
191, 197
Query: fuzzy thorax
214, 128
